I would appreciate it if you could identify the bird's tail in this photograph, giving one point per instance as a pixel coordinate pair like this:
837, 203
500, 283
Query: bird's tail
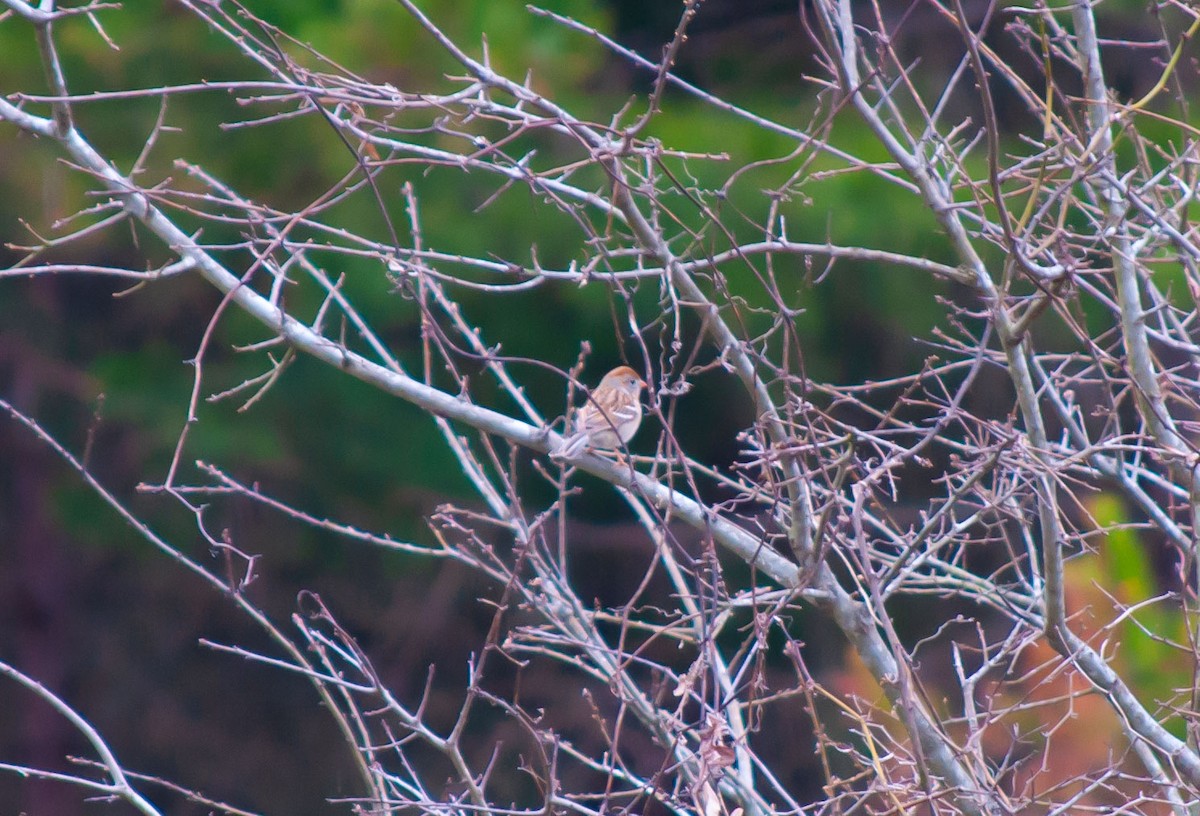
571, 447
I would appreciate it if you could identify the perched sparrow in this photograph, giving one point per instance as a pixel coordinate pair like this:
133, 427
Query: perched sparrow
610, 417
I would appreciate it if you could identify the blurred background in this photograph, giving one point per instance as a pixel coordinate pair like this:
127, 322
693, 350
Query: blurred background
88, 609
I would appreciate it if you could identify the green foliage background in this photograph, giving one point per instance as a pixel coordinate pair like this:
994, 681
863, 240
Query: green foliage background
343, 430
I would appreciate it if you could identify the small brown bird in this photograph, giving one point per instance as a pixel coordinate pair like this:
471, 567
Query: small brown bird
610, 417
